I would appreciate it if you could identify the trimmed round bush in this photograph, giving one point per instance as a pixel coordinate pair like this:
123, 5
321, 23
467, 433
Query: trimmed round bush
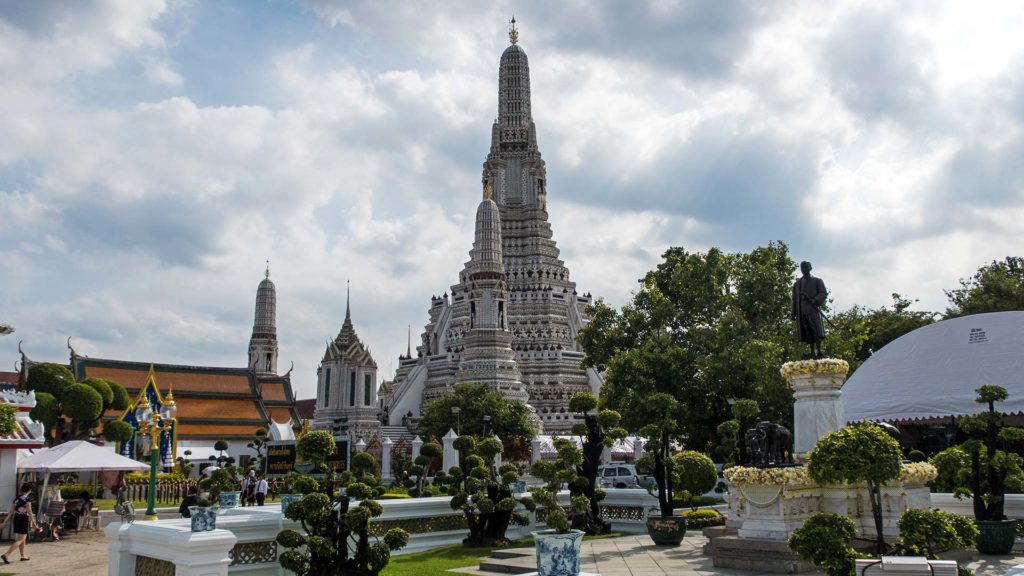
81, 402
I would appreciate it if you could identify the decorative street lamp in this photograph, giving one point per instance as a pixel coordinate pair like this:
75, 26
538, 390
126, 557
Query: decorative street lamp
154, 424
458, 419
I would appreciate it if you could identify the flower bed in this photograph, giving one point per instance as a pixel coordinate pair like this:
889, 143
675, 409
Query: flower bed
913, 473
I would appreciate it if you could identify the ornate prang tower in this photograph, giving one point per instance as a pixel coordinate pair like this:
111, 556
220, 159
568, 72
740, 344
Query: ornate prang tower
487, 355
543, 310
263, 344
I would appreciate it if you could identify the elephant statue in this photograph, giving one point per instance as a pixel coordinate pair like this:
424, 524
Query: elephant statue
771, 444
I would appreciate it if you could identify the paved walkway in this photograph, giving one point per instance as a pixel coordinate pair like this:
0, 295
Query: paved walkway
82, 554
85, 554
637, 556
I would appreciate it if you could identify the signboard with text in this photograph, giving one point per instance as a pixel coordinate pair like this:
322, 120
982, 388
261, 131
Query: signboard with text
282, 459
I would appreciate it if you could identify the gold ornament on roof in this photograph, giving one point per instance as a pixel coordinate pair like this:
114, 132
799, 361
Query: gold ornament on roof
513, 32
488, 191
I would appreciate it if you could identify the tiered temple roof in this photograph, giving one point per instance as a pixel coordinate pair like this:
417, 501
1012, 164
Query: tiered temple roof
212, 402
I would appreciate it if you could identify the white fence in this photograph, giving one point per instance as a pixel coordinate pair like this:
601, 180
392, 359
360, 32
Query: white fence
244, 541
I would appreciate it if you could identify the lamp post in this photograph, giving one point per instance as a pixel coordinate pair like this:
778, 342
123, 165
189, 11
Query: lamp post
458, 419
487, 420
154, 424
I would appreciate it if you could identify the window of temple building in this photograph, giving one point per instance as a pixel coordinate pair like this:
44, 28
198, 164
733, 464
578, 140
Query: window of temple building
352, 389
327, 387
366, 389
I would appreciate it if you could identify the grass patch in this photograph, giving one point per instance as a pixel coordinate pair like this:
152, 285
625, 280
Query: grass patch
439, 560
435, 561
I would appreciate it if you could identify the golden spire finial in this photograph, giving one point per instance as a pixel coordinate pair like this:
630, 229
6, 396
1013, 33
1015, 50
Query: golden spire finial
513, 32
488, 191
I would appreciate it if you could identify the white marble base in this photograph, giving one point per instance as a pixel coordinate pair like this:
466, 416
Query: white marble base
776, 519
817, 409
580, 574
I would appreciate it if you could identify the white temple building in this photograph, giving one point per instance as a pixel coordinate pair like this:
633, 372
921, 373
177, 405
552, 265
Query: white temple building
512, 318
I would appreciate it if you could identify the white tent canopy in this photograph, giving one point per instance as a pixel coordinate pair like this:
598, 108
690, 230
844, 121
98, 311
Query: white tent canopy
75, 456
933, 371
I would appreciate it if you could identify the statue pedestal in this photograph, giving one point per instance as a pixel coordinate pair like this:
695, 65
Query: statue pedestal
817, 409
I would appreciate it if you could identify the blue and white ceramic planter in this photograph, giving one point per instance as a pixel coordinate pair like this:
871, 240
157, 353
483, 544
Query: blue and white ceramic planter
204, 518
520, 486
229, 499
287, 499
558, 554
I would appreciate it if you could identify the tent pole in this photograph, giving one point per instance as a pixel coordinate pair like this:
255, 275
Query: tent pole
42, 494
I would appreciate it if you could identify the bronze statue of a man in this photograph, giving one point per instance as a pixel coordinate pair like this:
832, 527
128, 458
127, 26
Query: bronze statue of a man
808, 295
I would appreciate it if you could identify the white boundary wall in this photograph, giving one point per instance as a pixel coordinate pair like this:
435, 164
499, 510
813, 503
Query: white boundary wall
243, 544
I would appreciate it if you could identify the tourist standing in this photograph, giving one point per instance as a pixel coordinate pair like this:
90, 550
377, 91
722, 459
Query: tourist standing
249, 489
21, 511
192, 499
261, 490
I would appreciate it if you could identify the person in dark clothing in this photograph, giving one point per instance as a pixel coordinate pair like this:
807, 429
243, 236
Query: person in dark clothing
24, 520
192, 499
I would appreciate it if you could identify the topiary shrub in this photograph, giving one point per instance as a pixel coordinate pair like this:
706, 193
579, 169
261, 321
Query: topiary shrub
694, 474
563, 470
82, 402
50, 378
102, 387
702, 518
824, 539
931, 532
859, 453
483, 493
118, 431
917, 456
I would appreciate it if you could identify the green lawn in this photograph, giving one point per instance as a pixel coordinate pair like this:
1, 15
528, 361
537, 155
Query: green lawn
438, 560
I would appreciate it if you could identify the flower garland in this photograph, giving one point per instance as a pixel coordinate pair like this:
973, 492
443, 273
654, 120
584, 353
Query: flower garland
823, 366
789, 476
914, 473
918, 473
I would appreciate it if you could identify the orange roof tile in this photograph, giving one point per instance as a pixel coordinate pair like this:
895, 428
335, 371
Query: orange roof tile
217, 430
178, 381
273, 391
217, 408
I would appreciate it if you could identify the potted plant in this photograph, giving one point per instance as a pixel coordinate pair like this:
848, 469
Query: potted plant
666, 528
203, 515
558, 547
990, 464
695, 474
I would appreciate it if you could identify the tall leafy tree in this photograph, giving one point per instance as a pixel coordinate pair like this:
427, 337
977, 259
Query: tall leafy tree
995, 287
703, 328
508, 419
860, 331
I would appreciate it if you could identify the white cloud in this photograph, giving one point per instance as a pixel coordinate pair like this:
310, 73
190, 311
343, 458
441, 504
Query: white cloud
140, 224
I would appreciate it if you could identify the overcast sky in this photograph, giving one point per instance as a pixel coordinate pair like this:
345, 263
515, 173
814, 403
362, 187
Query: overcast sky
153, 154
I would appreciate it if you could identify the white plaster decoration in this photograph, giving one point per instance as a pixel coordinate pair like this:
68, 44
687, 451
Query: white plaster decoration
385, 459
417, 443
535, 446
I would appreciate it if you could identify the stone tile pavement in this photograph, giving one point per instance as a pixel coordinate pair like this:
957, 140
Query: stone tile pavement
637, 556
82, 554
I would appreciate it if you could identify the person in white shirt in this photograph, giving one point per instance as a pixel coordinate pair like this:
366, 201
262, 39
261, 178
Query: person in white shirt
261, 490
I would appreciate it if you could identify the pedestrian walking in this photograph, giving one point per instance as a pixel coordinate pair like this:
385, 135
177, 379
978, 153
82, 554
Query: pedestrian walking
24, 520
261, 490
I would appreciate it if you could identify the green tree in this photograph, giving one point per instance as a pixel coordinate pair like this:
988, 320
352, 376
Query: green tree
118, 431
703, 328
858, 453
50, 378
597, 431
862, 331
695, 474
8, 419
259, 445
483, 493
824, 539
83, 405
991, 462
508, 419
995, 287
